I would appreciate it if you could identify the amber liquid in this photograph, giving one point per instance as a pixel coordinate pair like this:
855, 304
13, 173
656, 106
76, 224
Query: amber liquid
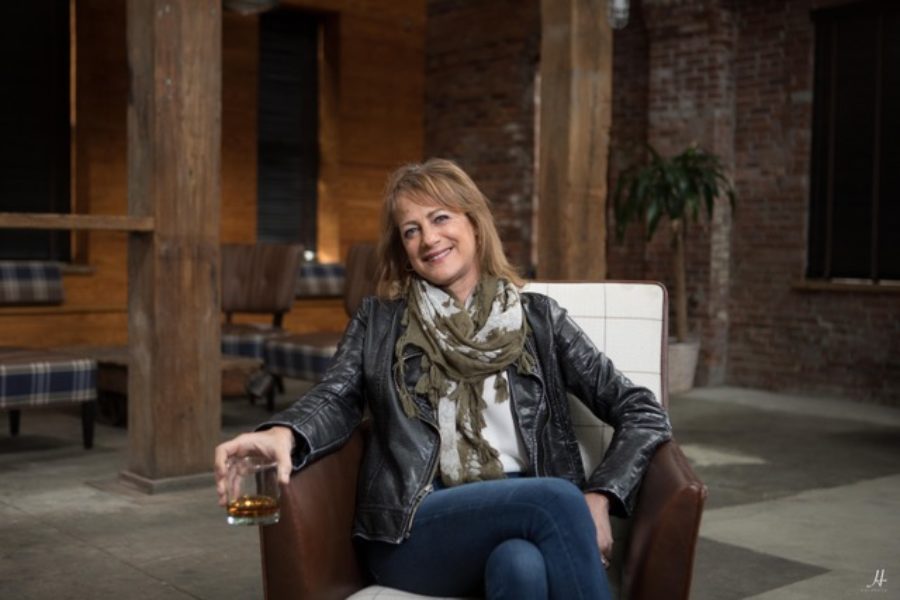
253, 507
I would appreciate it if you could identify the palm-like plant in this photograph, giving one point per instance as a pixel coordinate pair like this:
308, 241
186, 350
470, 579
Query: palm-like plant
677, 188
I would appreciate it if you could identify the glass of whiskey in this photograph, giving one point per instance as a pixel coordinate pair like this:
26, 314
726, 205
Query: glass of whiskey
252, 491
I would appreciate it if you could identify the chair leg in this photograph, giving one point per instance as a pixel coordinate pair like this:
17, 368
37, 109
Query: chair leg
88, 410
261, 385
14, 419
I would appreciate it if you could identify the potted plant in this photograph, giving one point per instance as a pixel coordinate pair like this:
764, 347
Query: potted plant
676, 188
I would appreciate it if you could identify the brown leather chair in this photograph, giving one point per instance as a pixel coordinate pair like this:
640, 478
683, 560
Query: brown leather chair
256, 279
309, 553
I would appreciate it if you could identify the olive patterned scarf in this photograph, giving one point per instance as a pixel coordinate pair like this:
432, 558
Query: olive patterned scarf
466, 351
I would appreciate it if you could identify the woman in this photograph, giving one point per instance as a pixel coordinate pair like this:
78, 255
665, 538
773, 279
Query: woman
472, 483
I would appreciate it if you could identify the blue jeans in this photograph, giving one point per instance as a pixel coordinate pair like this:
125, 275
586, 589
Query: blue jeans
516, 538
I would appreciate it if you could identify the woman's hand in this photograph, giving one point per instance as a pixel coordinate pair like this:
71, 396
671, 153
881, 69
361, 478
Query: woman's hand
275, 443
599, 507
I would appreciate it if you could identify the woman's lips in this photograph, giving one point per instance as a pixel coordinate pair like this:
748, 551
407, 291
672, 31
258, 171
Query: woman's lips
433, 256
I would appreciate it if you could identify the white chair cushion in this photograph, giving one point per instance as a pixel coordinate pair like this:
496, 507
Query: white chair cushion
383, 593
625, 321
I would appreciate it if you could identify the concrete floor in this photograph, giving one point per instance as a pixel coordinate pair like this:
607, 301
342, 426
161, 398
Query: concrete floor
804, 503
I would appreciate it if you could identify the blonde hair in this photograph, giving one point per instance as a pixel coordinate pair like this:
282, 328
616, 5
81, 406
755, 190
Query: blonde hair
441, 181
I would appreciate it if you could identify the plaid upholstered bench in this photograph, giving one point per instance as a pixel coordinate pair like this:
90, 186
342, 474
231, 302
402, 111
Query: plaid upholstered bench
33, 378
30, 282
295, 356
247, 339
112, 377
320, 280
305, 356
38, 378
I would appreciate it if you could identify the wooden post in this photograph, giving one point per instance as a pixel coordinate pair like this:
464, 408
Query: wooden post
576, 109
174, 132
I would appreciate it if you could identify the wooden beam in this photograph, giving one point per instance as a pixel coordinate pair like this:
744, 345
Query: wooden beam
7, 311
575, 116
174, 141
76, 222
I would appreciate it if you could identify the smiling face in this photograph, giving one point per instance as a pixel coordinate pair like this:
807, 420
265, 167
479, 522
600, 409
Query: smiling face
440, 244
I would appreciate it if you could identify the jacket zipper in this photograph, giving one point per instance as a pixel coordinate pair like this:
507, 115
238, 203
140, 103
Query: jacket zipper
424, 491
542, 417
432, 470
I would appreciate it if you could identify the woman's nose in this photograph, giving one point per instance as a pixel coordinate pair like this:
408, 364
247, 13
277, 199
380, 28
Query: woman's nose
429, 235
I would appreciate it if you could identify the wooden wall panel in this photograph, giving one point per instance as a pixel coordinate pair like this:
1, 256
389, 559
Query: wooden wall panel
375, 123
381, 114
240, 77
33, 328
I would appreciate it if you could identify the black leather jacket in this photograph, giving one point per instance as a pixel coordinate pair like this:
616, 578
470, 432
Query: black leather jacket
401, 456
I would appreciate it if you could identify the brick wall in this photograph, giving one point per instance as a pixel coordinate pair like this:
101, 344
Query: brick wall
481, 61
748, 96
782, 337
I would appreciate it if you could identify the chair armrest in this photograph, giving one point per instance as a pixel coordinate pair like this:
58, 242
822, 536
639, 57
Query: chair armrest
309, 553
665, 527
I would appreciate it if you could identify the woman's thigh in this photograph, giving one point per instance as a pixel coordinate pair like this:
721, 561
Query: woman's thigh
455, 531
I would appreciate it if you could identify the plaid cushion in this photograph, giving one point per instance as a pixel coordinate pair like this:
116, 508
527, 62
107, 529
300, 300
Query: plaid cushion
30, 282
320, 279
305, 356
34, 378
247, 339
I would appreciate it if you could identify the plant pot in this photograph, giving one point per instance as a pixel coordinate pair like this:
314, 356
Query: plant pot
682, 365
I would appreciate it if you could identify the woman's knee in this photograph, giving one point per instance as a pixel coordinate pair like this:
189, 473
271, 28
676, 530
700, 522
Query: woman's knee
558, 494
553, 507
515, 569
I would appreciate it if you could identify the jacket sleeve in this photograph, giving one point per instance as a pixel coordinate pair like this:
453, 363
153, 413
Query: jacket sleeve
639, 421
325, 417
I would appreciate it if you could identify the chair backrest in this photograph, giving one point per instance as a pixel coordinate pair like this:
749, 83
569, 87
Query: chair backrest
360, 278
628, 323
259, 278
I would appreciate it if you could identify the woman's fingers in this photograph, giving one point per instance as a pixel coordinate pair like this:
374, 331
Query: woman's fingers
599, 507
275, 444
282, 445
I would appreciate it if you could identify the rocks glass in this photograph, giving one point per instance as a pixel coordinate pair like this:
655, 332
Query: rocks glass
252, 491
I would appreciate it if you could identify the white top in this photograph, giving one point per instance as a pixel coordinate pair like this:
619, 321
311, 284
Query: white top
500, 430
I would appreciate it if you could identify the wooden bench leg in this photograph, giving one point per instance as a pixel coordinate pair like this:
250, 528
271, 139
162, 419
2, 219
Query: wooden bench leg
88, 410
15, 417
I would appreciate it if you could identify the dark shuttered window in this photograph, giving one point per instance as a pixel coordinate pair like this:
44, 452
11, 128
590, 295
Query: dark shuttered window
34, 124
854, 219
288, 152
